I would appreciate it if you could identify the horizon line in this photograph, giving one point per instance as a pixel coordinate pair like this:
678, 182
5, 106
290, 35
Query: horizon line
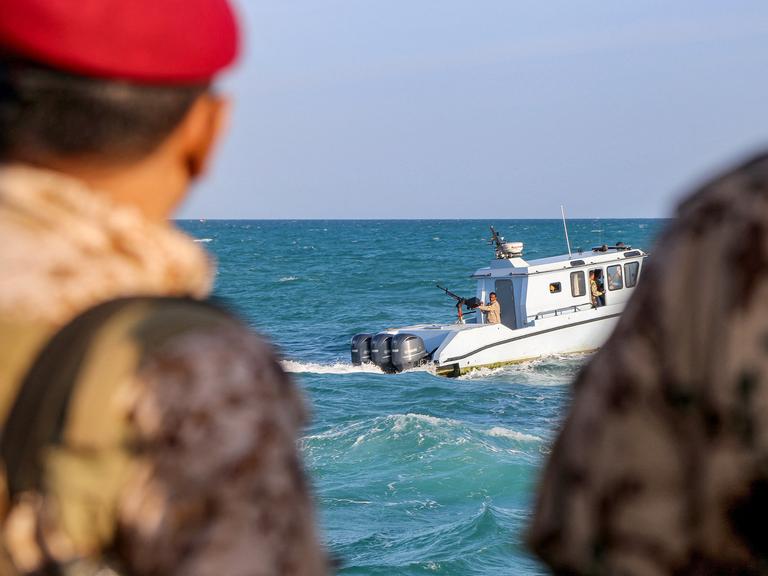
200, 219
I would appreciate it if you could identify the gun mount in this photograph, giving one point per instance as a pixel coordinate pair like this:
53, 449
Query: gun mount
505, 250
470, 303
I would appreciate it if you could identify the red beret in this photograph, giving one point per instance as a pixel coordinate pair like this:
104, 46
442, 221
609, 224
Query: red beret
150, 41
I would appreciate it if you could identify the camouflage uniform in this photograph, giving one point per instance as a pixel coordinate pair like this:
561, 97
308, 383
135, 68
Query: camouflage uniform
662, 463
181, 460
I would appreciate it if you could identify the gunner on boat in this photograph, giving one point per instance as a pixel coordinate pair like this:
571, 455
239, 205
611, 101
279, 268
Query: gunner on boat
492, 310
597, 294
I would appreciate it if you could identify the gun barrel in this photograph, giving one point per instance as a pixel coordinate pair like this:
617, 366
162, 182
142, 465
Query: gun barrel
451, 294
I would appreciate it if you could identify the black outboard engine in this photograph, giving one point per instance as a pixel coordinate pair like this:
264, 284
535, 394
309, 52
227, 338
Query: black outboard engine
407, 351
361, 348
381, 351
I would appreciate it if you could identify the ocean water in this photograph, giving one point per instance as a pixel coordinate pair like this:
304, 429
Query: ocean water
413, 473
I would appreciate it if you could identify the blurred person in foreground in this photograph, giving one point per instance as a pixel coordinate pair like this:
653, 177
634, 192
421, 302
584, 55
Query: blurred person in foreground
661, 466
164, 440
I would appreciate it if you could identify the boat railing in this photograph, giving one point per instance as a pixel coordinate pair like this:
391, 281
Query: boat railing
559, 311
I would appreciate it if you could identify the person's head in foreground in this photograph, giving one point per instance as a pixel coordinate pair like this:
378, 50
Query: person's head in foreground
117, 94
660, 467
158, 437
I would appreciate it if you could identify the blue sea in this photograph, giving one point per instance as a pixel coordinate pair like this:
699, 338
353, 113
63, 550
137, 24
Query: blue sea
413, 473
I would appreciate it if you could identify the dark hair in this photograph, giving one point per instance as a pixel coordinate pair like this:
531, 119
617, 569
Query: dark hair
49, 113
491, 294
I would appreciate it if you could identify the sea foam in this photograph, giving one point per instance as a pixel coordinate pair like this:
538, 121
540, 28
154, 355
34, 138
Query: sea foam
500, 432
296, 367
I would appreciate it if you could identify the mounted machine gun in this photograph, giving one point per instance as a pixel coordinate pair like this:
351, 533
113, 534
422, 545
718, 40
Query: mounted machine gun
505, 250
470, 303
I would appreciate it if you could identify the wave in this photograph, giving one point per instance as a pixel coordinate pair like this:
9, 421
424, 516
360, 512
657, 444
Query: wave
384, 427
338, 432
401, 421
288, 278
297, 367
203, 239
429, 432
411, 421
553, 369
483, 373
447, 546
500, 432
343, 368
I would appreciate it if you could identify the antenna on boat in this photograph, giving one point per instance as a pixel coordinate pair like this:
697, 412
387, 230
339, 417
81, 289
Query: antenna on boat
565, 227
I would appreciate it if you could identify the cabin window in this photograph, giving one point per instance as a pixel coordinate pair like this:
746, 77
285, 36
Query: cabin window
631, 270
615, 279
578, 284
555, 287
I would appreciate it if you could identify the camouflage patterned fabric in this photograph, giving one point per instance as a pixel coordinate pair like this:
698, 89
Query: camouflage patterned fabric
180, 459
661, 466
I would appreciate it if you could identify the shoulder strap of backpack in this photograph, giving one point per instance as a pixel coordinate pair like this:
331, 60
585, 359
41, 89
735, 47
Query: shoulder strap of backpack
40, 410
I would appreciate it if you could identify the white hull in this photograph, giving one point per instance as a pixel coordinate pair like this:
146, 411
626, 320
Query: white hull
460, 348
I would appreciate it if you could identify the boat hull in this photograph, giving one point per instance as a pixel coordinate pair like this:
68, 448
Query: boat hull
457, 350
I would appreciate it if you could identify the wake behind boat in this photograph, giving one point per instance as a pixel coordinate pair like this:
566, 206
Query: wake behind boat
557, 305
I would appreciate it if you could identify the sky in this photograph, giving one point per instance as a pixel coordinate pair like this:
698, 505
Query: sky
494, 108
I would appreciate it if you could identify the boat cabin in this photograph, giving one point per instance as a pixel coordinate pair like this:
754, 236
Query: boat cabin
528, 291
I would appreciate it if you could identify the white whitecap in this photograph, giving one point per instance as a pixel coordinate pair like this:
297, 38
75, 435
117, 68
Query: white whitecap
501, 432
203, 239
481, 373
400, 421
296, 367
360, 440
288, 278
350, 501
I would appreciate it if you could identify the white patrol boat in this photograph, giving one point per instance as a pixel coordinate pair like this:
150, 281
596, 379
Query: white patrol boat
547, 307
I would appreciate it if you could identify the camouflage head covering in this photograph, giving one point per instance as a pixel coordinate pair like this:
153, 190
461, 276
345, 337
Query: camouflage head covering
661, 466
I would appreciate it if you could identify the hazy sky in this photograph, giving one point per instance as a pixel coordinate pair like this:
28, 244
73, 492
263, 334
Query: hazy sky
459, 109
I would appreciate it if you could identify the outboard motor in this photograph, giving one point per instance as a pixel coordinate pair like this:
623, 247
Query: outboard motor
381, 351
407, 351
361, 348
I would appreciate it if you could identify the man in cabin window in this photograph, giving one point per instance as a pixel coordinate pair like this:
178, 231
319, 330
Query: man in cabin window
596, 294
492, 310
167, 443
